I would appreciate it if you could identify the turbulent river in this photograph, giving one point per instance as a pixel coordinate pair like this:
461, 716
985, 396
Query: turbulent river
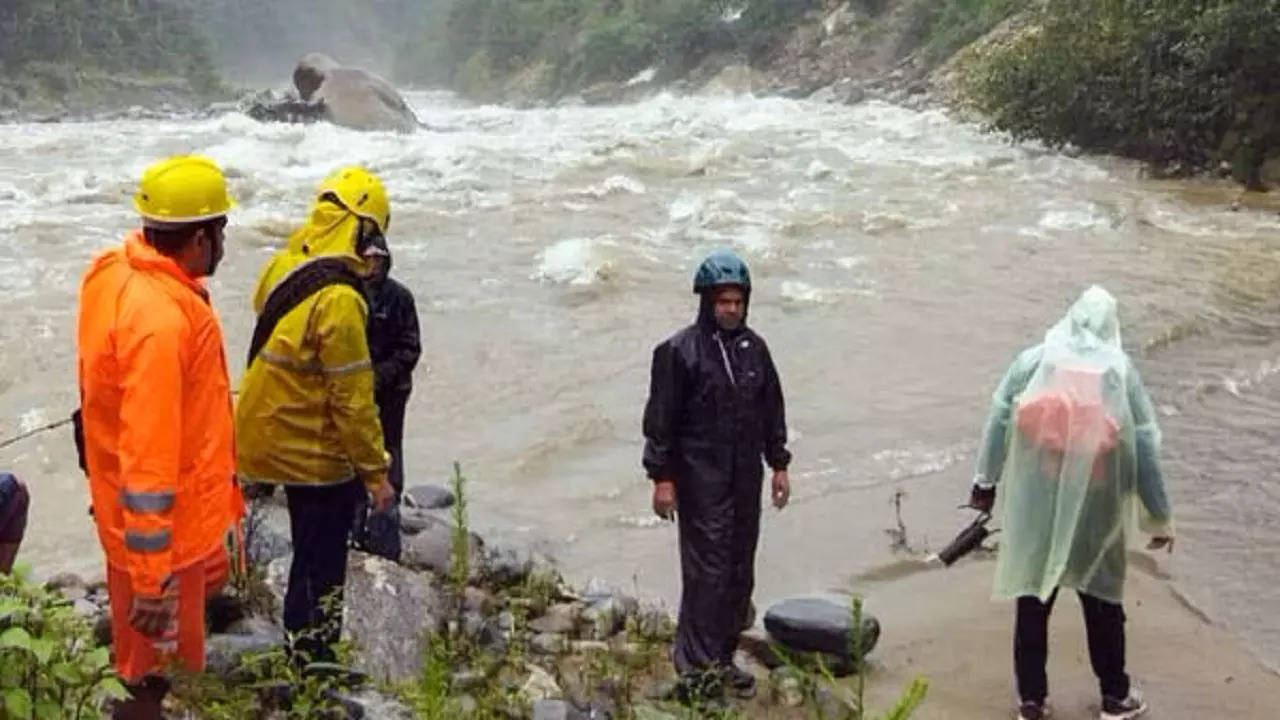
901, 260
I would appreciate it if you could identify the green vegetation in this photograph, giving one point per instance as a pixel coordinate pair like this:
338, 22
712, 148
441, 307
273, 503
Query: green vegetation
50, 666
940, 29
480, 44
460, 556
140, 38
1183, 84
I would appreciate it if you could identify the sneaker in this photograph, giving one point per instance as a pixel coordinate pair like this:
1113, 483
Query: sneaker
1033, 711
1127, 709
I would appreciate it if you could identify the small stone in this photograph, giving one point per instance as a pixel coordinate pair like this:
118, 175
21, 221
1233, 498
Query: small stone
549, 644
605, 618
557, 710
648, 712
223, 652
760, 647
585, 647
477, 600
380, 706
75, 593
540, 685
430, 497
65, 581
255, 625
467, 680
264, 543
414, 520
560, 618
818, 624
478, 629
505, 567
432, 549
85, 609
506, 621
787, 689
464, 705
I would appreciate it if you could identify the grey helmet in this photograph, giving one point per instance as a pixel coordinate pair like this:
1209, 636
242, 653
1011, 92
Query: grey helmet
722, 267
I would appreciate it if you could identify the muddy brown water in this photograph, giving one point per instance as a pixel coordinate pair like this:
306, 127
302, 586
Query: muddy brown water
901, 260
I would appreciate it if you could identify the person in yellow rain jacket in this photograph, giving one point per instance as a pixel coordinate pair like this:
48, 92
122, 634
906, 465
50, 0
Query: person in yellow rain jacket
306, 417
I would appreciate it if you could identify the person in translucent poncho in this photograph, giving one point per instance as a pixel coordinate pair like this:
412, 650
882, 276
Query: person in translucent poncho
1073, 446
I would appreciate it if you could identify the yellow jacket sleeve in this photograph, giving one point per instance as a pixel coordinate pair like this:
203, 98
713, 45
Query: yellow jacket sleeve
343, 350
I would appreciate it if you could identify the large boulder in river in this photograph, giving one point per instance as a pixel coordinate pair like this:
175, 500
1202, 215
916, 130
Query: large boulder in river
352, 97
819, 624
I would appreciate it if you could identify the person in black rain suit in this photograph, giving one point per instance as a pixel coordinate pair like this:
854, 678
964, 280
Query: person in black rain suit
715, 411
394, 347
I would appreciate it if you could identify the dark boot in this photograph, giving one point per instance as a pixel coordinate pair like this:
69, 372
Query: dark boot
145, 703
740, 681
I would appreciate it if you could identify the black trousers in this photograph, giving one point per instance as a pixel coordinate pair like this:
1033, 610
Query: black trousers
391, 409
1104, 626
320, 523
718, 543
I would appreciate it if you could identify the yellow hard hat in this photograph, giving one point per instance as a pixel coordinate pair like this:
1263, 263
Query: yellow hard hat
183, 189
361, 192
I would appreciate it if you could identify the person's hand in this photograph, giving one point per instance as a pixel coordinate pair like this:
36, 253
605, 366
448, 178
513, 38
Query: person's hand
151, 615
1160, 543
664, 499
383, 496
781, 489
982, 499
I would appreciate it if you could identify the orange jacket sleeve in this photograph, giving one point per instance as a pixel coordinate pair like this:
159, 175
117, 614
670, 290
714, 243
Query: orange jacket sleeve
150, 343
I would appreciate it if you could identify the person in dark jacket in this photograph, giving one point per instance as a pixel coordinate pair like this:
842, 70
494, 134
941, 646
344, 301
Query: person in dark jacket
394, 346
13, 518
715, 411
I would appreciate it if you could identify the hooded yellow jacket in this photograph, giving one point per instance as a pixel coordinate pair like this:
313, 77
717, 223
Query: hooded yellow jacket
306, 413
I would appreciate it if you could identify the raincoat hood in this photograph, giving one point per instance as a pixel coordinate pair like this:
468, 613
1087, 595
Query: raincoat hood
330, 231
1092, 322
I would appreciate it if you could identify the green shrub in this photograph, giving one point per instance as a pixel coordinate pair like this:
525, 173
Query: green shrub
142, 37
1180, 83
618, 48
50, 666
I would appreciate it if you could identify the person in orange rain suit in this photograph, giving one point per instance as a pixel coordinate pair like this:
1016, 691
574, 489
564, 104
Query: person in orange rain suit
157, 424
